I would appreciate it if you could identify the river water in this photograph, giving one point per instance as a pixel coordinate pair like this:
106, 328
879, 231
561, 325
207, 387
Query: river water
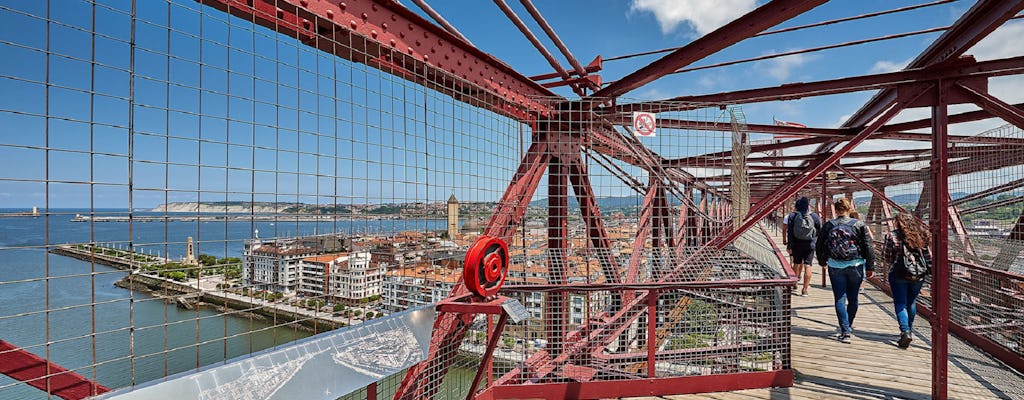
117, 336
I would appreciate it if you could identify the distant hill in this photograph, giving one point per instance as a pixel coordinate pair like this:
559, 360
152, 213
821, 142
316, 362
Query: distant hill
904, 199
412, 210
605, 203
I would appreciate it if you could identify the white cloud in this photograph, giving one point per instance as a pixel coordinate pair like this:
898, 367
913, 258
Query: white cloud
782, 68
884, 66
1001, 43
703, 15
651, 94
842, 120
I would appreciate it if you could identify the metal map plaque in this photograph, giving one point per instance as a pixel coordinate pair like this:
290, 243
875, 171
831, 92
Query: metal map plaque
515, 310
325, 366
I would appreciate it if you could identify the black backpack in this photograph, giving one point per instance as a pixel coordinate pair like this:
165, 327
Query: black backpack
803, 226
911, 264
842, 241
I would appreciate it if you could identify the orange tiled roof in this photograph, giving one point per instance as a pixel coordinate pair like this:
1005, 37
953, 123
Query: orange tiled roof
325, 258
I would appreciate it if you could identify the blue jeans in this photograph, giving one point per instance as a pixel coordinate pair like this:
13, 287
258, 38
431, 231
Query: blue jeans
904, 298
845, 290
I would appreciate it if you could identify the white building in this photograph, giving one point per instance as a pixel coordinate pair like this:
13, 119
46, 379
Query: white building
412, 287
342, 277
272, 266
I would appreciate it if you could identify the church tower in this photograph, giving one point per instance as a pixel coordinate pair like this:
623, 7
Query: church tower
190, 253
453, 217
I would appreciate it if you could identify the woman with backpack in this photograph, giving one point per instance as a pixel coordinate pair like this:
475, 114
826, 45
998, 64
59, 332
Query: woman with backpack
844, 245
800, 231
906, 252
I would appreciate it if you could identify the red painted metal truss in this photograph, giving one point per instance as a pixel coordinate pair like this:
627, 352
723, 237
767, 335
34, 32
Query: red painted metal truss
44, 375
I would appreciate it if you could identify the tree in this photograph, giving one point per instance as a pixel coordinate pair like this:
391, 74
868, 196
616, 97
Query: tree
207, 259
177, 275
339, 308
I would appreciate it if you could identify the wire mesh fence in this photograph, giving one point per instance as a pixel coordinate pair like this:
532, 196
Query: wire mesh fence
187, 187
984, 225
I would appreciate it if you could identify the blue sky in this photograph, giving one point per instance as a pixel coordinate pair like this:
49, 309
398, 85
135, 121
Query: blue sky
210, 90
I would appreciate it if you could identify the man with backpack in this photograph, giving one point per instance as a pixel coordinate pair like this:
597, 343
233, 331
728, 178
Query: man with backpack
844, 244
800, 231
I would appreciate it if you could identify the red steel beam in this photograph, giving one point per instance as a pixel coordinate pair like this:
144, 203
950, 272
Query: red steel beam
778, 197
957, 70
983, 18
41, 374
525, 30
388, 36
642, 230
592, 217
994, 106
1009, 251
512, 207
1014, 184
939, 225
764, 17
969, 116
556, 308
550, 31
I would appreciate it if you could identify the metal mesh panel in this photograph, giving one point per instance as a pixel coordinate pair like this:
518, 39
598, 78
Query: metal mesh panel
984, 225
247, 187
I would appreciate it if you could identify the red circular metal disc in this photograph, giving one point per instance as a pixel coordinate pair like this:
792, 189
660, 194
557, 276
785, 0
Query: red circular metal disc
485, 266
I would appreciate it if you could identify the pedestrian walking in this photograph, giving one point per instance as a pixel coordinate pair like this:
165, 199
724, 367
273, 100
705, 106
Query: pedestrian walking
906, 252
844, 245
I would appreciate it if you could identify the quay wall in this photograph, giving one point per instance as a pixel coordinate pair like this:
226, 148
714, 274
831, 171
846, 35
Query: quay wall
157, 285
99, 258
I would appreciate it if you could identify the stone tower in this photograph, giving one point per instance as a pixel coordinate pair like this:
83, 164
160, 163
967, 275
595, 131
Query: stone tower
190, 252
453, 217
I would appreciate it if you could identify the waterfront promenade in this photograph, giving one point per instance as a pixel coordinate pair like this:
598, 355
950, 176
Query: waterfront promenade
206, 288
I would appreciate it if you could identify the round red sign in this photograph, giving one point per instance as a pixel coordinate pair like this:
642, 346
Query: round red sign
643, 124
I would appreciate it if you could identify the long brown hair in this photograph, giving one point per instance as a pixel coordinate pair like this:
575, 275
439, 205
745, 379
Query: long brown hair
914, 234
843, 206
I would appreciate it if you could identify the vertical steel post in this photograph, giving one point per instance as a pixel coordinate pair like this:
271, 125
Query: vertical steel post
555, 306
940, 242
825, 206
652, 334
492, 342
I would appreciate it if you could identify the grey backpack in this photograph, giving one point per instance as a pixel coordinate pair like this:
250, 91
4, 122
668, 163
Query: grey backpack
803, 226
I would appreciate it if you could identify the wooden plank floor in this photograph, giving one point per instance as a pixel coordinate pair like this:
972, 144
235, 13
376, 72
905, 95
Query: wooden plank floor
872, 367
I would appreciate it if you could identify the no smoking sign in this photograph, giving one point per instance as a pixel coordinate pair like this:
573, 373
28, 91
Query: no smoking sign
644, 123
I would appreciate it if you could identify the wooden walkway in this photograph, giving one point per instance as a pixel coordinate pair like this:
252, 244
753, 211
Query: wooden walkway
872, 367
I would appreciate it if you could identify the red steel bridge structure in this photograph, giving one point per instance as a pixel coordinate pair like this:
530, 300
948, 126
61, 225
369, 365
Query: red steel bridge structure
693, 240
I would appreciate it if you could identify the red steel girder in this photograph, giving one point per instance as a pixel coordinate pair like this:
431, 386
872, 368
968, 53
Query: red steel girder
764, 17
776, 198
592, 216
939, 224
642, 230
953, 119
556, 306
983, 18
960, 69
424, 379
1012, 185
41, 374
994, 106
512, 207
386, 35
1009, 251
